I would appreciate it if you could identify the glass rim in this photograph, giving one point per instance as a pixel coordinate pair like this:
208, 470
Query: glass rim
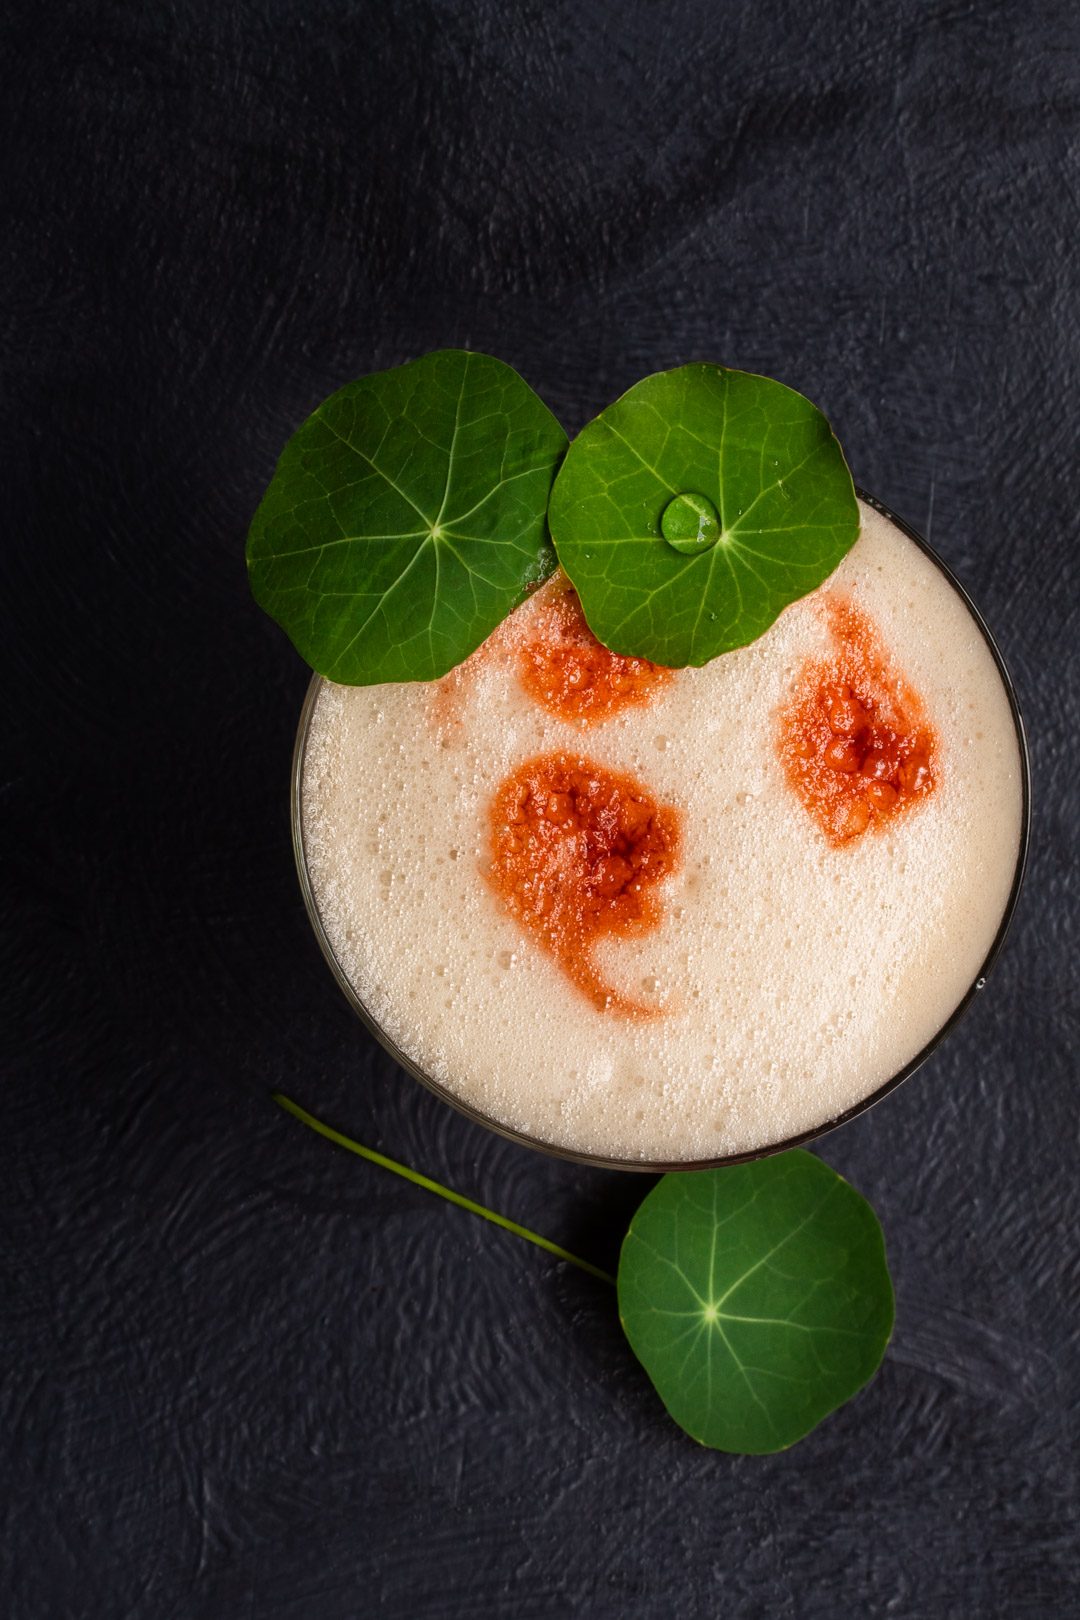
657, 1166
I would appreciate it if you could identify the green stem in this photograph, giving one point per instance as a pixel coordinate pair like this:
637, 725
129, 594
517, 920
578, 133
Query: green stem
448, 1193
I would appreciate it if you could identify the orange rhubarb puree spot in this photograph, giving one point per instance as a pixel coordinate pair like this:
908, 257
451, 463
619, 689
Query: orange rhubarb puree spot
855, 742
576, 851
571, 674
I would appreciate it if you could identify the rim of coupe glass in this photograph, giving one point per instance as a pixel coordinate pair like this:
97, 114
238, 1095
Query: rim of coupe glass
656, 1166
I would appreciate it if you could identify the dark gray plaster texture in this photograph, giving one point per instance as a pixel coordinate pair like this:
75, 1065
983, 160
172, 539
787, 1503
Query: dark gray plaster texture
245, 1376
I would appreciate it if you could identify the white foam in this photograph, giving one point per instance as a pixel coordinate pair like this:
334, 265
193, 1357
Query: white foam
796, 977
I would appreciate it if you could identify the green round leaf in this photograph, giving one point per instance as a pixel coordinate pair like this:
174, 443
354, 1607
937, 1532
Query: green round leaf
758, 1298
766, 460
407, 517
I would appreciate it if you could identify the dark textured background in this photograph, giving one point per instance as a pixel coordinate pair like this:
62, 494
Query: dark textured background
244, 1375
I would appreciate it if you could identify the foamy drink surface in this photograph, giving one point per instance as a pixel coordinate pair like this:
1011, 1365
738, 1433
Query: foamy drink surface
674, 915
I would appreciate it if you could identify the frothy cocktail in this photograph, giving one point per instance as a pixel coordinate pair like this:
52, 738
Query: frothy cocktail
670, 916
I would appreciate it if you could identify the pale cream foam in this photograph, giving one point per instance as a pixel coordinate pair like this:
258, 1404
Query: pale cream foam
795, 978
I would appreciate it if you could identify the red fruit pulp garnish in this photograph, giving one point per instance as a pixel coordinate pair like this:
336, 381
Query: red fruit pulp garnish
854, 740
573, 675
576, 851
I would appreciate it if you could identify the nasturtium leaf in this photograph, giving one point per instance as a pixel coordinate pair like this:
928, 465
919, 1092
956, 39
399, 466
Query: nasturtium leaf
755, 453
757, 1298
407, 517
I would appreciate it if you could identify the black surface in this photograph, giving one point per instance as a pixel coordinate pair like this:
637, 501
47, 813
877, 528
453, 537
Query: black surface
245, 1375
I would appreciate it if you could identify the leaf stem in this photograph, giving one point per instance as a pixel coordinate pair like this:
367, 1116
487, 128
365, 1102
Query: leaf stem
426, 1182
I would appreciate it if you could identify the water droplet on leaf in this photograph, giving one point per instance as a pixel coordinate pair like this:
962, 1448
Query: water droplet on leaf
689, 523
